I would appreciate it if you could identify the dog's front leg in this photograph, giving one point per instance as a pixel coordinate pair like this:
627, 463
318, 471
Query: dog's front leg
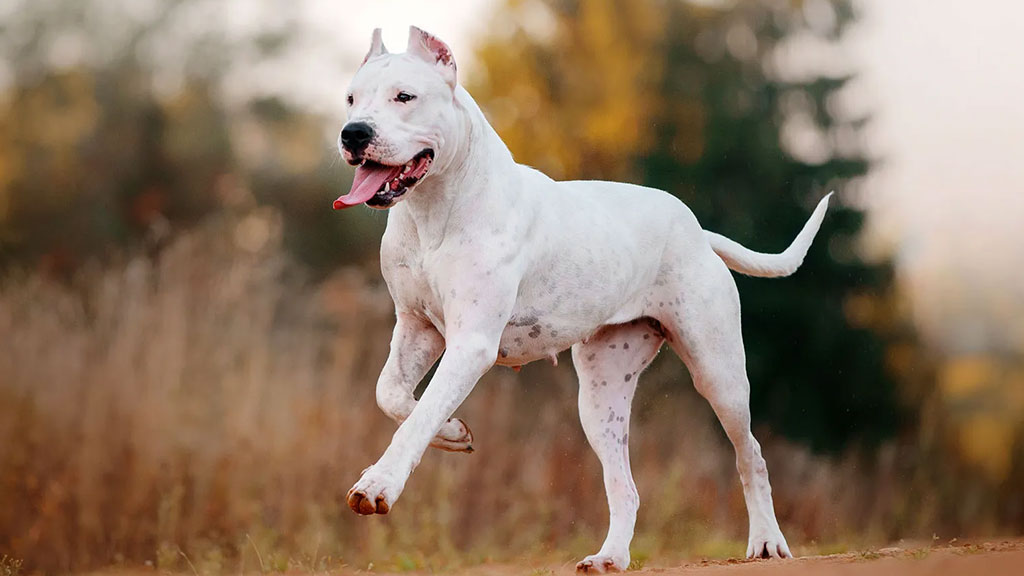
475, 315
415, 346
467, 357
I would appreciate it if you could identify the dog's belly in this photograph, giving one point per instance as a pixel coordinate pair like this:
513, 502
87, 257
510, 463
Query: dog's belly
543, 338
533, 335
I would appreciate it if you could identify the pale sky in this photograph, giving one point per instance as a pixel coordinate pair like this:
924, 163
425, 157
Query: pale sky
943, 81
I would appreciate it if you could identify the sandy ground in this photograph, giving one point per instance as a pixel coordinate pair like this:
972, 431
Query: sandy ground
984, 559
996, 558
988, 559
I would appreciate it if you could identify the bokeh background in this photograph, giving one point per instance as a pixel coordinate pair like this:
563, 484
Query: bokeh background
190, 336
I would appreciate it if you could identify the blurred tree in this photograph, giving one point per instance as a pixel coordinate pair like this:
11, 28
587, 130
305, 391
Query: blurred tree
93, 156
116, 129
97, 161
690, 98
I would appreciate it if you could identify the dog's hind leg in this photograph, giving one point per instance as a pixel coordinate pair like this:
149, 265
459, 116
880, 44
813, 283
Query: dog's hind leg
415, 346
608, 365
702, 317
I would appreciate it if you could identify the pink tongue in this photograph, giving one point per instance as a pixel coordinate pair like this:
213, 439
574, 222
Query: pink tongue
366, 183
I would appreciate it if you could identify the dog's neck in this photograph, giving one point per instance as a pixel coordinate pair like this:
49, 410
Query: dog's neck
473, 153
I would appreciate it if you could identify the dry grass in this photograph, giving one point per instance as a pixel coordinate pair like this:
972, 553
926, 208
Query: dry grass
9, 566
205, 412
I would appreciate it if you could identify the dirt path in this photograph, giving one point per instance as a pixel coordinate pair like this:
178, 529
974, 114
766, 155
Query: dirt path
988, 559
1002, 558
1005, 558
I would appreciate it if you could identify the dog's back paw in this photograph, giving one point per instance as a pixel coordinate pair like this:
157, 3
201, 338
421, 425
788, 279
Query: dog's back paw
454, 436
600, 564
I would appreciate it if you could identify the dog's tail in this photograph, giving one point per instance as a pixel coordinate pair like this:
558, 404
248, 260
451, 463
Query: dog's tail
746, 261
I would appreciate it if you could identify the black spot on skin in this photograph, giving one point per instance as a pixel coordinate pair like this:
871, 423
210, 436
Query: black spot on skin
647, 336
611, 416
523, 320
612, 346
518, 340
625, 345
604, 382
504, 352
534, 331
629, 377
591, 357
625, 438
554, 333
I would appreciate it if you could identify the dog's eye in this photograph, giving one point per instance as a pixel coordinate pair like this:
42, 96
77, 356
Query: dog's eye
404, 97
350, 99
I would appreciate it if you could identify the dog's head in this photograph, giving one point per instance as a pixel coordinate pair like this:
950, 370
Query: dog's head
400, 109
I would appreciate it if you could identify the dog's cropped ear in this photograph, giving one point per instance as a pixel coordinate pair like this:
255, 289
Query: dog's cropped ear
376, 46
431, 49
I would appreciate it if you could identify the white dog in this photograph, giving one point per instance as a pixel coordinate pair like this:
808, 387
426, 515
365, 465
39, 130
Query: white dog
492, 262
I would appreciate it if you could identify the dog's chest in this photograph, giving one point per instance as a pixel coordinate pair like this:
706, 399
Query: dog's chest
410, 284
537, 327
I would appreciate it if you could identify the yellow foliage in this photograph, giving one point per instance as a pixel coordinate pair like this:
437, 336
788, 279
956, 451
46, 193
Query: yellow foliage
985, 441
984, 399
964, 376
1014, 391
58, 113
564, 115
45, 123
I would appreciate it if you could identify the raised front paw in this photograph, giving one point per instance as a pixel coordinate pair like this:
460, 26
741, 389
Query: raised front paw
454, 436
374, 493
601, 563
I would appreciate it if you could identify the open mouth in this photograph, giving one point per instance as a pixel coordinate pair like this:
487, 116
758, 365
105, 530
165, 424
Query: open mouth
379, 185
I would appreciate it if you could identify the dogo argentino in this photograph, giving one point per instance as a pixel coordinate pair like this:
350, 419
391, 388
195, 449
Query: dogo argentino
492, 262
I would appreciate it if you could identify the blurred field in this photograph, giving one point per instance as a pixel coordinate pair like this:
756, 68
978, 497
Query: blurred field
190, 337
206, 409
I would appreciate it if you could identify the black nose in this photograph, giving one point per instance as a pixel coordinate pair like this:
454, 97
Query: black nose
356, 135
